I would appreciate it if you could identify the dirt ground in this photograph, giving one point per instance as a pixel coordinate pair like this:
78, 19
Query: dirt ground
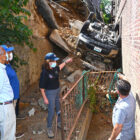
34, 127
101, 124
100, 128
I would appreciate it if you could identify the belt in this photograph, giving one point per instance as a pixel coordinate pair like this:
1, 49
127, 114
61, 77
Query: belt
6, 103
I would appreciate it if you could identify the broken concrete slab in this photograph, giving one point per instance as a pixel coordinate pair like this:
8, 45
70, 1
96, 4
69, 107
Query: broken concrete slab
71, 78
76, 25
56, 38
86, 64
98, 64
47, 14
68, 70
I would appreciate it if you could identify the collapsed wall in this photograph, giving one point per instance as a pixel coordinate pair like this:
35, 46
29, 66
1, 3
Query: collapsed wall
128, 15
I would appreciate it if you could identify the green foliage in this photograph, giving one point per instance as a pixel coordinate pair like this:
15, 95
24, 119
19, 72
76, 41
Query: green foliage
106, 9
12, 30
92, 98
92, 94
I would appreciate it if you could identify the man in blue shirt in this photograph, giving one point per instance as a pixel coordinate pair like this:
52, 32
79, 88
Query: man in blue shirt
12, 76
124, 113
7, 112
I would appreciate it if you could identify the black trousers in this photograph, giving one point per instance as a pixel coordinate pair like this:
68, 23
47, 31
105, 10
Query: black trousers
17, 108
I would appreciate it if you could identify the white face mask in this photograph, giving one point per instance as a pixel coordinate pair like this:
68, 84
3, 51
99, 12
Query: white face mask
11, 56
53, 65
7, 57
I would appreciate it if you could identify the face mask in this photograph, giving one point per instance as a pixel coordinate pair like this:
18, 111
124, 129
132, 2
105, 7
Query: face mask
7, 58
11, 56
53, 65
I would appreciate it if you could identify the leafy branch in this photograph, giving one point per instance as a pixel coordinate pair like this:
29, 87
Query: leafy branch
12, 29
92, 94
106, 8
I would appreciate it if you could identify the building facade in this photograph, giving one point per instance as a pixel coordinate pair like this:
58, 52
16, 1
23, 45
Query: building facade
127, 14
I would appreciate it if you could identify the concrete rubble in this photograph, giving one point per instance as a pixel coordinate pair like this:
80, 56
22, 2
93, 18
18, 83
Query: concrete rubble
68, 70
31, 112
95, 65
56, 38
66, 37
70, 36
38, 132
89, 66
42, 104
76, 25
72, 77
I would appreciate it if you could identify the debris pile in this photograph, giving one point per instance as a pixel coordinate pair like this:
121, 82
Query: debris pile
95, 43
31, 112
42, 104
56, 38
70, 34
69, 37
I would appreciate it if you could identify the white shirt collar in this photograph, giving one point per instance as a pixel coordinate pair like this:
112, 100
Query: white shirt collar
2, 66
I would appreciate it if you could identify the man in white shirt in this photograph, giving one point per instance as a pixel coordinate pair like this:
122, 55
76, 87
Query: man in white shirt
7, 112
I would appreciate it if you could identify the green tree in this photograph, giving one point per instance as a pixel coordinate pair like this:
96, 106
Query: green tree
106, 8
12, 29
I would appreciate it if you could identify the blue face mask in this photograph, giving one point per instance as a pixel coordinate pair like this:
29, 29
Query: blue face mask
53, 65
7, 57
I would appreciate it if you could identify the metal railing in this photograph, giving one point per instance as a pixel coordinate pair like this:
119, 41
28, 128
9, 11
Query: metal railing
74, 99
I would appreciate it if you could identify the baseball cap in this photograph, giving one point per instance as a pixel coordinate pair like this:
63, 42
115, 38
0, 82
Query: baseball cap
7, 49
51, 56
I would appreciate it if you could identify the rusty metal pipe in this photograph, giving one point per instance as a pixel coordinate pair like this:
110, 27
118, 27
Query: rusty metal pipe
76, 120
65, 96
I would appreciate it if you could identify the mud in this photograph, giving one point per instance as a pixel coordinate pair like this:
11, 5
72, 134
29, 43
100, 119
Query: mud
101, 124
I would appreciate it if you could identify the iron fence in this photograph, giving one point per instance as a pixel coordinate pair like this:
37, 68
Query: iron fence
74, 99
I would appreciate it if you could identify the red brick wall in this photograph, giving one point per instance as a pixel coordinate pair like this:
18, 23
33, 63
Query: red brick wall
129, 11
